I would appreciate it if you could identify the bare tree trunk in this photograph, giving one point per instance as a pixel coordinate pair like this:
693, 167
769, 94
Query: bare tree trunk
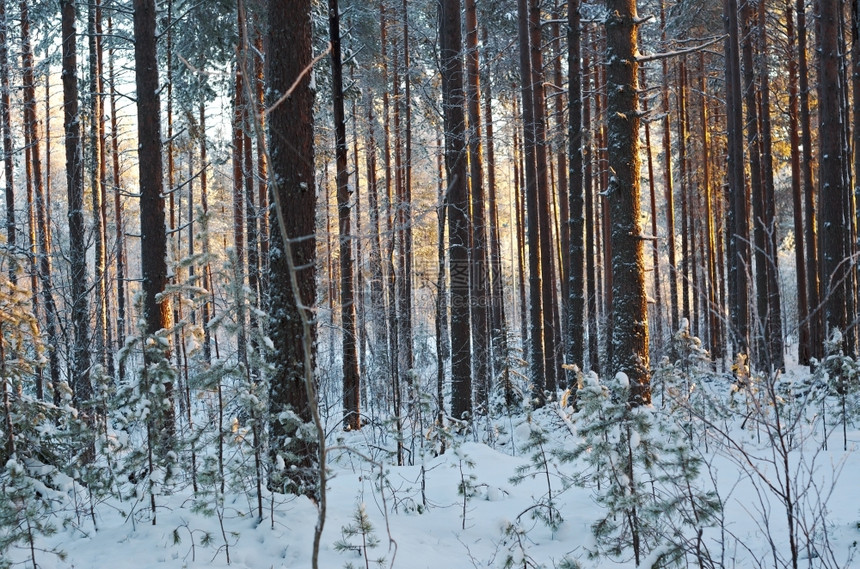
292, 287
630, 325
552, 367
588, 191
668, 184
157, 311
576, 252
657, 313
119, 252
813, 282
536, 315
443, 348
96, 158
5, 92
712, 314
498, 326
520, 242
773, 324
31, 128
351, 382
405, 216
479, 274
458, 207
686, 232
563, 194
239, 201
832, 210
738, 213
803, 343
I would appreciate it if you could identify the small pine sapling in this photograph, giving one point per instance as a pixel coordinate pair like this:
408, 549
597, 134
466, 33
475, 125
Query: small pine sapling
466, 487
362, 529
35, 434
543, 463
840, 373
645, 476
144, 412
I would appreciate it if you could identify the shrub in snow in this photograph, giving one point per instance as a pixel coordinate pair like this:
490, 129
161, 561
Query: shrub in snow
544, 465
645, 476
144, 413
35, 445
360, 537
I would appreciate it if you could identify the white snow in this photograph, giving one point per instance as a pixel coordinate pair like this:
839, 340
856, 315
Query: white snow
418, 514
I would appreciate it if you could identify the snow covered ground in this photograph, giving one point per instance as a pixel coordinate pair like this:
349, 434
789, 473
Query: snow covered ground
419, 518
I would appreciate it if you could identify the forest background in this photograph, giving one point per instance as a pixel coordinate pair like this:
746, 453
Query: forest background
286, 219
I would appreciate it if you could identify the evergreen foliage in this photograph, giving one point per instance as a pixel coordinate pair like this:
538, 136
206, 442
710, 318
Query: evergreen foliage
644, 475
37, 447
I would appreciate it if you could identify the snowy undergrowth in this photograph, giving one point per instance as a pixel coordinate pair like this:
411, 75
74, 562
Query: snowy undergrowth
534, 496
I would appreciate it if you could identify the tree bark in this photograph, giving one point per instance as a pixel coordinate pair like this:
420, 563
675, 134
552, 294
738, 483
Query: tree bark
813, 282
630, 322
458, 207
738, 212
292, 246
831, 163
498, 327
668, 185
96, 159
536, 314
576, 252
552, 363
5, 92
31, 128
157, 311
479, 274
351, 382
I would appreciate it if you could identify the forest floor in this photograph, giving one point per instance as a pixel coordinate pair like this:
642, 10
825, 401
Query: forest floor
417, 517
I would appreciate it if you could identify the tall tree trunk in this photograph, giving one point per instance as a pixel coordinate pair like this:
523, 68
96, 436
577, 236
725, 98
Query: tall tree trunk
686, 231
712, 313
668, 184
520, 241
588, 191
119, 252
5, 93
657, 313
379, 343
31, 128
396, 274
458, 207
248, 173
855, 119
552, 366
443, 348
262, 165
803, 347
831, 189
773, 324
292, 246
479, 273
96, 158
576, 253
405, 215
630, 323
498, 327
102, 170
351, 383
239, 201
536, 314
813, 282
157, 311
738, 212
563, 193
